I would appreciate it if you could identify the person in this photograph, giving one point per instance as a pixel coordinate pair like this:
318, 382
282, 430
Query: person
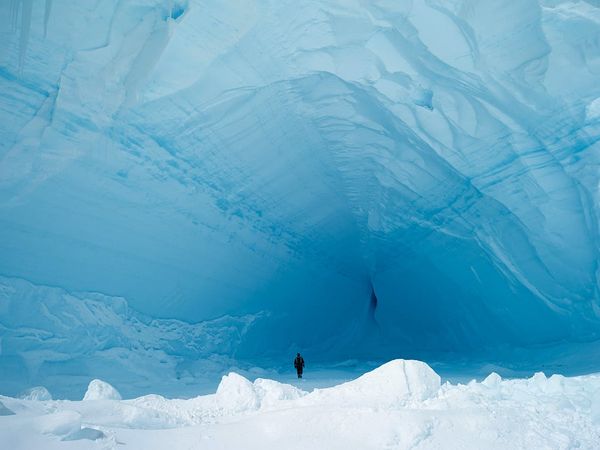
299, 364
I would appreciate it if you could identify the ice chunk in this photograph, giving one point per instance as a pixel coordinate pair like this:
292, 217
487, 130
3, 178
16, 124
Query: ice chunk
38, 393
236, 393
101, 390
492, 380
555, 384
538, 380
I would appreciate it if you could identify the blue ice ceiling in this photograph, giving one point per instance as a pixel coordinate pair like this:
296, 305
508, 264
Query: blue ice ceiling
299, 159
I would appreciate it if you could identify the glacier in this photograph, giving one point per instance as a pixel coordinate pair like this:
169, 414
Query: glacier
188, 183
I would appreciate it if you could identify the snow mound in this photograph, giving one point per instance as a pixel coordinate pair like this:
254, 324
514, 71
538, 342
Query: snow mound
101, 390
4, 411
38, 393
237, 394
390, 385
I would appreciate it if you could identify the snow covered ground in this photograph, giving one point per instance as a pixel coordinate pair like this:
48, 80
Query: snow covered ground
401, 404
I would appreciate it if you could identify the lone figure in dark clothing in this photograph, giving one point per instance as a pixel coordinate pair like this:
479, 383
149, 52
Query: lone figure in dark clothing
299, 364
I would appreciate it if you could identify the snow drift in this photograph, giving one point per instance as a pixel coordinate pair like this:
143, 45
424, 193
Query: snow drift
540, 412
391, 385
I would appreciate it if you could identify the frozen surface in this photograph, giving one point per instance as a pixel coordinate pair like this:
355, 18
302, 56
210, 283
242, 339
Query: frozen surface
185, 185
399, 405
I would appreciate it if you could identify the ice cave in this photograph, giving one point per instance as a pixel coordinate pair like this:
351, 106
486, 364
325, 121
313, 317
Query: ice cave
188, 186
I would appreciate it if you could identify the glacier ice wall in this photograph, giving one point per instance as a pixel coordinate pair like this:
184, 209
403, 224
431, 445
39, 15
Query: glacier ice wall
298, 159
48, 334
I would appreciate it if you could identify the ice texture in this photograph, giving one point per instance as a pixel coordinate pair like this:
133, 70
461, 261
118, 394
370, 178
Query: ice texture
294, 161
63, 339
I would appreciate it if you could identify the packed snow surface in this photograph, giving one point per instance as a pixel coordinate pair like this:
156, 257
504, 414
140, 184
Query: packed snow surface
399, 405
286, 160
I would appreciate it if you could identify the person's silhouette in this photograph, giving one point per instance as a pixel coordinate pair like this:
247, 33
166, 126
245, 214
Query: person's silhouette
299, 364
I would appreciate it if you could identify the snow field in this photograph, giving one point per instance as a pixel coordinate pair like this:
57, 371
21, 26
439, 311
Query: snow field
402, 404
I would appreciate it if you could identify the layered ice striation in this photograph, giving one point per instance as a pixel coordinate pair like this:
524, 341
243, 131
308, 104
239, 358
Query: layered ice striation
376, 178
